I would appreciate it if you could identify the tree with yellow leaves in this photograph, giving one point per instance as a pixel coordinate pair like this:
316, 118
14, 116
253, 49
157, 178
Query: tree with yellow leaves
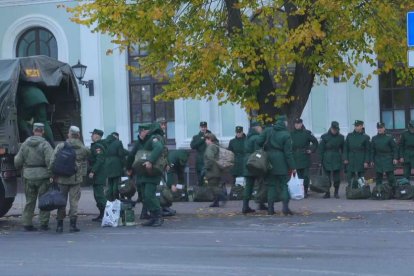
264, 55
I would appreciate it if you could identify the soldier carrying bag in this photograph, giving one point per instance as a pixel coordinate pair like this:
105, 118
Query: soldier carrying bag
158, 168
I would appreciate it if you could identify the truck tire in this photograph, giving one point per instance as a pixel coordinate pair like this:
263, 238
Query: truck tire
5, 203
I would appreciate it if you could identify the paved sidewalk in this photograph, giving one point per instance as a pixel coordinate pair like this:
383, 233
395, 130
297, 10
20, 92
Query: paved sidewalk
314, 204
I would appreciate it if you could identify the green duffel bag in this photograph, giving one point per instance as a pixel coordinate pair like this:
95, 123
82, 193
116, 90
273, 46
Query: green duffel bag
404, 192
382, 192
158, 168
260, 191
165, 195
320, 183
203, 194
236, 192
181, 195
363, 192
127, 188
258, 163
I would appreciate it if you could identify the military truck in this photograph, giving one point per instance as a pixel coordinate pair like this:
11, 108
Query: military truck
58, 84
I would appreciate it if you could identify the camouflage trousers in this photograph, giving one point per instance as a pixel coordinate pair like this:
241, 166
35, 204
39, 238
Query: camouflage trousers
74, 193
33, 189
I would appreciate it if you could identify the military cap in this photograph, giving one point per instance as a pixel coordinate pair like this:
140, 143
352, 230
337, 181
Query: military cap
98, 132
411, 123
38, 126
74, 130
335, 125
298, 121
380, 125
203, 124
161, 120
281, 118
115, 133
144, 127
239, 129
255, 124
358, 123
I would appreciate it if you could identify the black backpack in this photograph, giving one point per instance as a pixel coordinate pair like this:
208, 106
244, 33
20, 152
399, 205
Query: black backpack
65, 161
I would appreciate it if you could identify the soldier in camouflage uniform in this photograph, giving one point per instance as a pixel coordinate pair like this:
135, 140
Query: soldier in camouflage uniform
198, 143
303, 144
407, 149
34, 156
70, 185
331, 148
356, 152
97, 171
384, 155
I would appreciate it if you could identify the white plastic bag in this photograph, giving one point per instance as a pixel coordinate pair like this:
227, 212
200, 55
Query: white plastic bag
112, 213
295, 186
241, 181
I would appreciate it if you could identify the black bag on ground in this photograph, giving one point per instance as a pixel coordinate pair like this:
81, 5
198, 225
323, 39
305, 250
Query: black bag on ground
203, 194
382, 192
320, 183
236, 192
403, 189
363, 192
65, 161
52, 199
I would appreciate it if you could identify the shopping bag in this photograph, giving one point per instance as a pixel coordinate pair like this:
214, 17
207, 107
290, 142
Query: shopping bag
295, 186
52, 199
112, 213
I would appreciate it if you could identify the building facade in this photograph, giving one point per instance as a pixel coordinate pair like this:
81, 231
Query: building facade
122, 100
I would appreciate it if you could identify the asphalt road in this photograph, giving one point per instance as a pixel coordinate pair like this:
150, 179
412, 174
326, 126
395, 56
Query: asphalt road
367, 243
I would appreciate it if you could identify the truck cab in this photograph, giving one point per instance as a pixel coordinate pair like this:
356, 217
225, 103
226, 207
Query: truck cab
57, 82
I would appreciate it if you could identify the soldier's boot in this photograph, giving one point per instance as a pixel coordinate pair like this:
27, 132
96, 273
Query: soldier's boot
73, 227
285, 209
306, 189
100, 216
158, 219
30, 228
327, 195
246, 209
144, 213
336, 192
270, 208
262, 207
59, 227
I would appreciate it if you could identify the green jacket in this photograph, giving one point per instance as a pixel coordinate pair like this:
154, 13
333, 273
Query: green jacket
383, 152
211, 167
114, 157
177, 160
250, 146
406, 147
236, 145
34, 157
331, 148
278, 147
97, 162
303, 140
82, 154
198, 143
356, 151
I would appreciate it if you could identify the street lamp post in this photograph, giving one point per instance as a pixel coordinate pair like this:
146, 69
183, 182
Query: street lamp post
79, 71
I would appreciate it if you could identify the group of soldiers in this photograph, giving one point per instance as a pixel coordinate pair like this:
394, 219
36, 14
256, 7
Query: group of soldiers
290, 152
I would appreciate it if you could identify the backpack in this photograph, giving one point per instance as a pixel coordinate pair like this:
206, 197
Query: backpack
65, 161
226, 159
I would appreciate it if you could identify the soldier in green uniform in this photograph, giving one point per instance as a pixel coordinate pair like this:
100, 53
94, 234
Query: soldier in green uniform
249, 147
407, 149
198, 143
356, 152
236, 145
32, 104
70, 185
97, 171
212, 170
331, 148
303, 144
34, 156
384, 155
177, 160
279, 149
114, 165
